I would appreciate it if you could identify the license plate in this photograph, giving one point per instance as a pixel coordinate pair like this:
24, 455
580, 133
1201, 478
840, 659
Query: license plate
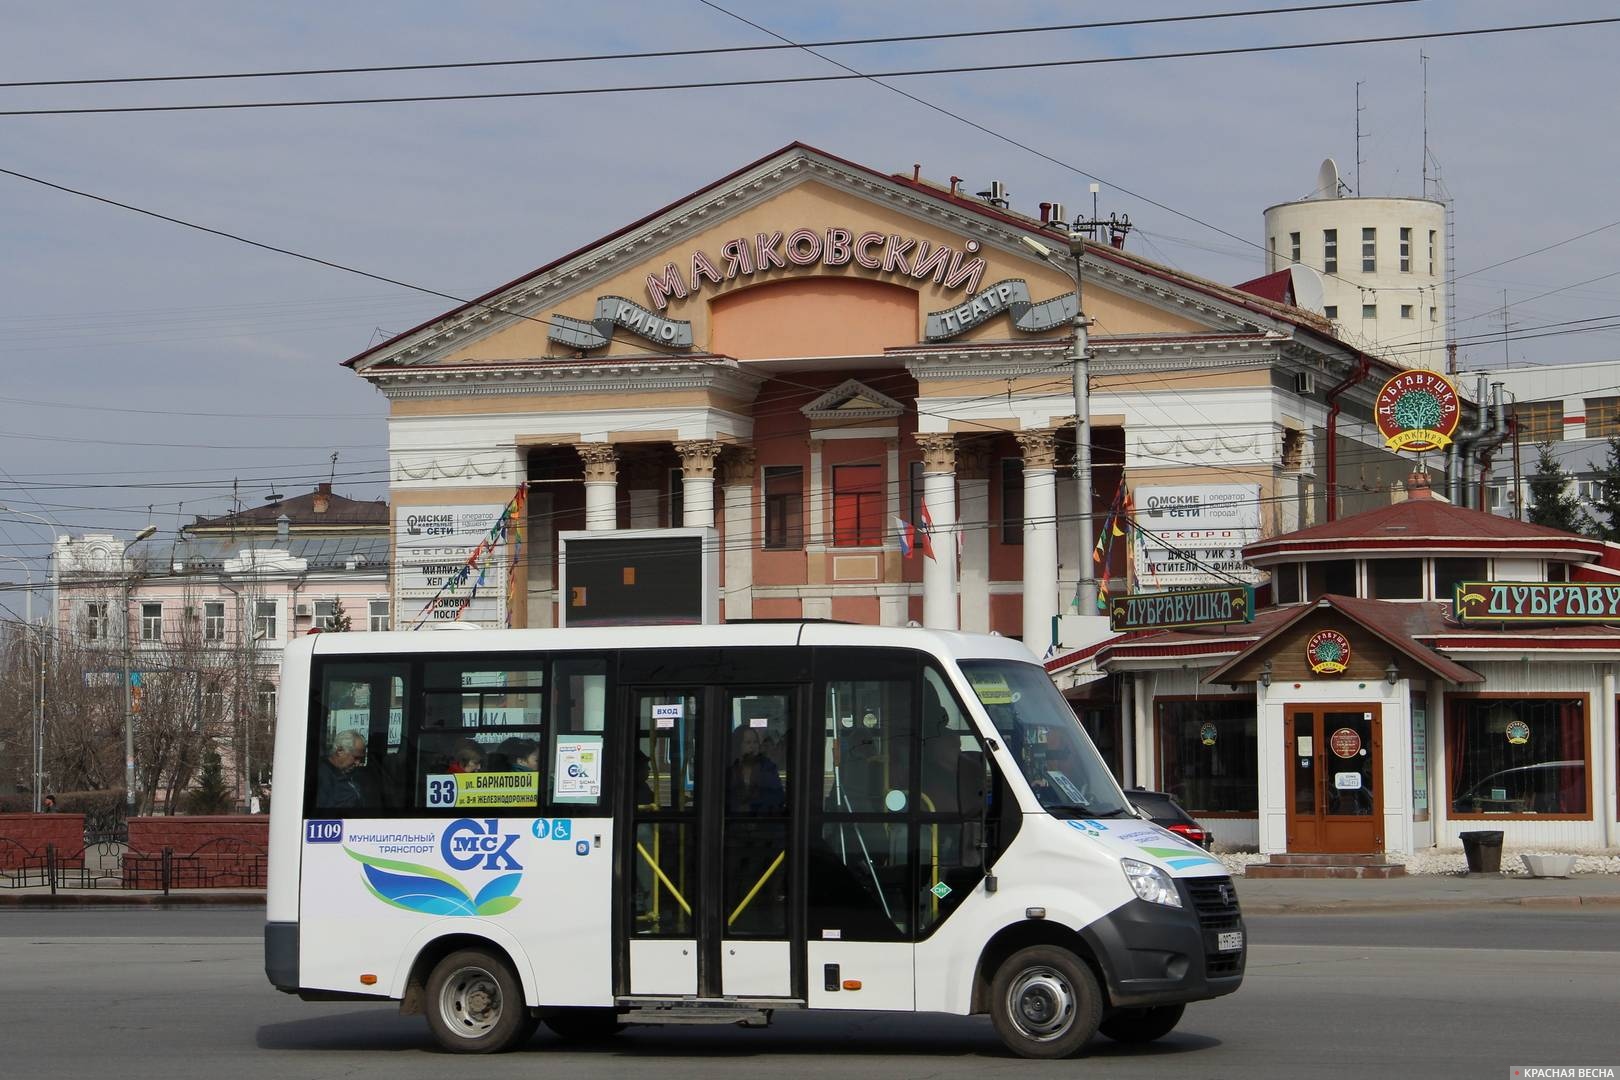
1230, 940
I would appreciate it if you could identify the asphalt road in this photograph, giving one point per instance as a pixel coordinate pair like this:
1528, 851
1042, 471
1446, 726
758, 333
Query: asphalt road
176, 995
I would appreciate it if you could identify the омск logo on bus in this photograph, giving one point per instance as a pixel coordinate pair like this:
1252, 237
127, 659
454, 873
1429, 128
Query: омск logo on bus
467, 844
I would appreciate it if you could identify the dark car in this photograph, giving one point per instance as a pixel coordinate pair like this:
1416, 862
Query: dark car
1166, 812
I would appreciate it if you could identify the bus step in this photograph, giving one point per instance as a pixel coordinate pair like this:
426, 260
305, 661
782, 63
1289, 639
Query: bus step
701, 1011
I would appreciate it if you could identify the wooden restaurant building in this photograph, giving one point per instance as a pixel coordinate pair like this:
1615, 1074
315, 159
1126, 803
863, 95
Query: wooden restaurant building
1423, 670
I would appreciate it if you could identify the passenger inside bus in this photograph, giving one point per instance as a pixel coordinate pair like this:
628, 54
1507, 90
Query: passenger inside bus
340, 781
753, 781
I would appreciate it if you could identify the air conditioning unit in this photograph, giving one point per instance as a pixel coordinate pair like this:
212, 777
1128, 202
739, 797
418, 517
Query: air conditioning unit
303, 611
1304, 382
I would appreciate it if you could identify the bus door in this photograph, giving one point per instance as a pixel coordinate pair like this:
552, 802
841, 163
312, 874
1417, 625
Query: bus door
711, 858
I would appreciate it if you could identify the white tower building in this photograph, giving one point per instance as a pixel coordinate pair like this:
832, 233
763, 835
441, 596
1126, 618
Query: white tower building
1382, 263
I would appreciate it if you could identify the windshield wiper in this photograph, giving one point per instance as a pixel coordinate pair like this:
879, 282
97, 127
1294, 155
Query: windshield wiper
1073, 810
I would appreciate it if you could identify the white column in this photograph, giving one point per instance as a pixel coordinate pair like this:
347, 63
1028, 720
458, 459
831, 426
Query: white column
601, 486
1040, 538
1146, 687
939, 494
697, 482
973, 508
737, 488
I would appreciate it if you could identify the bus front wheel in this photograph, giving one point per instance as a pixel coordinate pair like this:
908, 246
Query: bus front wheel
1044, 1002
475, 1004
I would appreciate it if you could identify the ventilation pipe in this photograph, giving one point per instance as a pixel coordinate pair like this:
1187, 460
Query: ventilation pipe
1496, 433
1457, 457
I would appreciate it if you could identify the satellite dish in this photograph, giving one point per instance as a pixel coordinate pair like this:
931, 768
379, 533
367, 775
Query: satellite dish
1327, 180
1307, 288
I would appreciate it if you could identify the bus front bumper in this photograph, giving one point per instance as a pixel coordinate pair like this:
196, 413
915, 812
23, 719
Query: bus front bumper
1152, 954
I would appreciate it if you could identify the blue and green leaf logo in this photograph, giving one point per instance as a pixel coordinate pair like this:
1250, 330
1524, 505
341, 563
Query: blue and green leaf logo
1177, 858
430, 891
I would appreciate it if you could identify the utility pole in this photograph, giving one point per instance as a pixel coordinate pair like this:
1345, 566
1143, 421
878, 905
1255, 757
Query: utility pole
129, 712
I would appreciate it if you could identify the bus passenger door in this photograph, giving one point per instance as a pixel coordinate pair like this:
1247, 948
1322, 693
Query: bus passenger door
662, 883
758, 871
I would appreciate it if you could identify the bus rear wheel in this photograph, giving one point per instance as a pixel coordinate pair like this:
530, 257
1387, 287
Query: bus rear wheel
1044, 1002
475, 1004
1141, 1025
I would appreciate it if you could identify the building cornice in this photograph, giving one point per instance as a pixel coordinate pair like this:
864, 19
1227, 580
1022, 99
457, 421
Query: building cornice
576, 377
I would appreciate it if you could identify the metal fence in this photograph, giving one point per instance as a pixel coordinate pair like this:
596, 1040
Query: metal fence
106, 862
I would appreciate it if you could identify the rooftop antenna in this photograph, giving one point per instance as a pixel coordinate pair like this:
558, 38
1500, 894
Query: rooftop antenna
1423, 59
1359, 137
331, 477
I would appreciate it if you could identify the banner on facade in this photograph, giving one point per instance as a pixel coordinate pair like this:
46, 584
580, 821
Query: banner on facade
1536, 602
431, 549
1195, 535
1173, 610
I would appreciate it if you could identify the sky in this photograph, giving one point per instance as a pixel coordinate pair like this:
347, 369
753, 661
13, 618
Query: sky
150, 373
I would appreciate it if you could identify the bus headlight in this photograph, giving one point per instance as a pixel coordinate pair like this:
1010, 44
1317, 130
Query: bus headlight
1151, 883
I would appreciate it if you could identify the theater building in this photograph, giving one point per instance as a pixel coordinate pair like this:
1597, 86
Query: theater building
1425, 670
812, 367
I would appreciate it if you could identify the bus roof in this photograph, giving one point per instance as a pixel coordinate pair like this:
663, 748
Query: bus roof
943, 643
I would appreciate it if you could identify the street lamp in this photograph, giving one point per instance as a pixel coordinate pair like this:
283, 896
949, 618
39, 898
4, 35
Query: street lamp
129, 715
1085, 591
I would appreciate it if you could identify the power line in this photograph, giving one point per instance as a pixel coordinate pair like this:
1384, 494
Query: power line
790, 80
714, 51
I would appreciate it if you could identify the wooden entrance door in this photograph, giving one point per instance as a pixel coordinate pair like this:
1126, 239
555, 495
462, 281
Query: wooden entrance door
1334, 770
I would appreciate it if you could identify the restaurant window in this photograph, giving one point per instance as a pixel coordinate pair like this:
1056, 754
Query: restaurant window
857, 505
1285, 583
784, 507
1395, 579
1539, 421
1207, 754
1517, 756
1330, 251
1336, 576
1447, 572
1012, 500
1602, 417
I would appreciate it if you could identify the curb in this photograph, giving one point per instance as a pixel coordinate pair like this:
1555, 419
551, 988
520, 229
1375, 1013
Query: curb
1352, 907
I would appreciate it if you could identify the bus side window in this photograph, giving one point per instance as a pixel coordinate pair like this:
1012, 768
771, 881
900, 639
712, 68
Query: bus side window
357, 764
575, 750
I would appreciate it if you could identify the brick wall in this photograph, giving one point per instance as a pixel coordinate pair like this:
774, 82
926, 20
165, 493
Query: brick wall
23, 838
207, 852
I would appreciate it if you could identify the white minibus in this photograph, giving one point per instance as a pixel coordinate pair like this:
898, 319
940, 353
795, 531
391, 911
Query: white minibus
589, 828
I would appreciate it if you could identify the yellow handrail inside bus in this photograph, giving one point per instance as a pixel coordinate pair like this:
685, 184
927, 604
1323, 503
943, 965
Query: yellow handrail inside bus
668, 884
928, 804
758, 885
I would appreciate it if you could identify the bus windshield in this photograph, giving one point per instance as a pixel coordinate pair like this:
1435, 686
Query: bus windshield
1065, 771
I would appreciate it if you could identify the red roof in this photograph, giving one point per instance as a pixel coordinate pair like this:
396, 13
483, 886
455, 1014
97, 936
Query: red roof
1277, 287
1423, 523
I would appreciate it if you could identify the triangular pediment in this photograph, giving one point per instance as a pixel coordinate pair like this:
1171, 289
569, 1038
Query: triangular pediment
793, 219
853, 399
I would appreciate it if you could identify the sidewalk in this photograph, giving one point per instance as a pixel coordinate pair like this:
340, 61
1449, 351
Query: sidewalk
1300, 896
1259, 896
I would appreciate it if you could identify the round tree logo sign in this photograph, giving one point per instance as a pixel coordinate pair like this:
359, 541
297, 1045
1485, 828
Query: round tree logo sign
1345, 742
1518, 732
1417, 411
1206, 734
1328, 652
